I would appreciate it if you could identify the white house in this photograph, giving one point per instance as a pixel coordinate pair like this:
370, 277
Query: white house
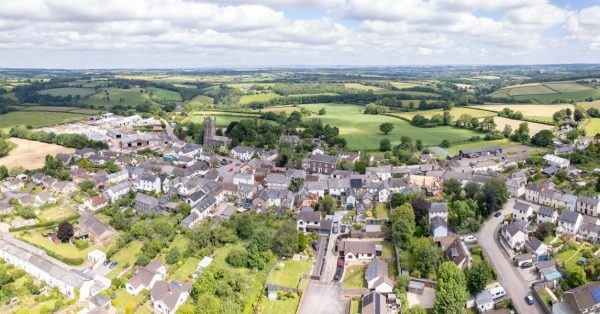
242, 152
569, 222
439, 227
146, 277
168, 296
587, 205
522, 211
532, 192
484, 301
308, 220
438, 210
148, 182
243, 178
118, 177
276, 181
546, 215
515, 234
116, 192
357, 250
554, 160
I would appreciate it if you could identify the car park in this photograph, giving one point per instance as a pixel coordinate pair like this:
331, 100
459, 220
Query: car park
529, 300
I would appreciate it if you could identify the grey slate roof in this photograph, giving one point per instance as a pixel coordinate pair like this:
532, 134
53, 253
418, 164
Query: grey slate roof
169, 292
438, 208
588, 200
545, 211
569, 216
514, 227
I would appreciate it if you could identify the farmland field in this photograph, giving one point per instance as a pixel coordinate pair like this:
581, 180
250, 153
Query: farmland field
593, 127
567, 87
526, 109
456, 112
407, 92
362, 131
31, 154
405, 84
547, 92
533, 127
589, 104
66, 91
164, 94
504, 143
223, 118
117, 96
201, 100
530, 90
246, 99
286, 109
37, 119
362, 87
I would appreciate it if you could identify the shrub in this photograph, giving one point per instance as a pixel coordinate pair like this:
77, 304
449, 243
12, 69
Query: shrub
81, 244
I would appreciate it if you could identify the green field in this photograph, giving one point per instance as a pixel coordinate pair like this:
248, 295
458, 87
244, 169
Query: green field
531, 90
456, 112
548, 92
528, 110
246, 99
567, 87
405, 84
125, 257
66, 91
593, 127
288, 305
37, 119
65, 249
164, 94
408, 92
290, 274
185, 270
504, 143
362, 131
361, 87
201, 100
117, 96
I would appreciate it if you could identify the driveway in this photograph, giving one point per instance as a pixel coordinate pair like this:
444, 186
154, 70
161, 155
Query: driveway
322, 298
320, 258
510, 277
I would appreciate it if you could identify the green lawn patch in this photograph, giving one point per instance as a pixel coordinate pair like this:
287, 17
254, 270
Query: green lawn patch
185, 271
126, 302
164, 94
290, 274
504, 143
64, 249
381, 211
55, 212
289, 305
125, 257
354, 277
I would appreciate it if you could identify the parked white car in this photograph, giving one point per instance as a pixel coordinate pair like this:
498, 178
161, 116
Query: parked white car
469, 239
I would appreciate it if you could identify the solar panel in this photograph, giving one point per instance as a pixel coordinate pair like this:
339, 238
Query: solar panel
596, 294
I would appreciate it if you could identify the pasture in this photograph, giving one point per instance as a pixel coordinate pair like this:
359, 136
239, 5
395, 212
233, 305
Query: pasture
362, 131
66, 91
405, 84
531, 90
37, 118
361, 87
501, 122
456, 112
164, 94
592, 127
223, 118
31, 154
201, 100
246, 99
528, 110
504, 143
547, 92
117, 96
589, 104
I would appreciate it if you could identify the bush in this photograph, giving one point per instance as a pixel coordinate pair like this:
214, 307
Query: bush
81, 244
237, 258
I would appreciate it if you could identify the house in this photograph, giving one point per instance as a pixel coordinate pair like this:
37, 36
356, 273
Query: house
484, 301
438, 210
145, 277
515, 234
590, 232
479, 151
532, 192
145, 203
242, 152
522, 211
168, 296
587, 205
547, 197
243, 178
569, 222
377, 269
45, 198
118, 176
273, 198
318, 150
537, 247
373, 303
584, 299
439, 227
523, 258
357, 250
34, 261
516, 187
64, 158
96, 257
293, 139
96, 203
546, 215
456, 251
117, 191
95, 227
553, 160
308, 220
320, 164
567, 201
276, 181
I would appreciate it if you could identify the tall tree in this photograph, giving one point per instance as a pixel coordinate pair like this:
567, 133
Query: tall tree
386, 127
403, 225
421, 209
477, 276
65, 231
451, 293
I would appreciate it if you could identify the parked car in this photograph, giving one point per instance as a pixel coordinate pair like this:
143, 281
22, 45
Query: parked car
343, 229
334, 229
106, 262
529, 300
338, 274
340, 262
470, 238
112, 265
526, 265
315, 246
498, 214
230, 170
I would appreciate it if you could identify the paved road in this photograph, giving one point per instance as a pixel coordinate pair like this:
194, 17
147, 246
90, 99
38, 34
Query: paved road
320, 259
509, 276
322, 298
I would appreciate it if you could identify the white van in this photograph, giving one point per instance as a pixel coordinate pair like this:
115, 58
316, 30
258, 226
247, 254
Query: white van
497, 292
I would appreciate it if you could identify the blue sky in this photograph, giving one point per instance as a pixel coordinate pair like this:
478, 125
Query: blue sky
239, 33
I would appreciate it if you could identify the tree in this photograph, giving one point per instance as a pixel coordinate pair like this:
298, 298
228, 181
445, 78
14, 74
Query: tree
507, 131
385, 145
3, 172
521, 133
327, 204
576, 277
452, 188
302, 241
445, 143
322, 111
542, 138
361, 166
416, 309
494, 196
386, 127
286, 241
451, 292
477, 276
173, 255
428, 256
421, 209
403, 225
578, 115
472, 190
65, 231
398, 199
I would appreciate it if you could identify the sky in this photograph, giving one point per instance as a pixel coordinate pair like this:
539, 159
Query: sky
261, 33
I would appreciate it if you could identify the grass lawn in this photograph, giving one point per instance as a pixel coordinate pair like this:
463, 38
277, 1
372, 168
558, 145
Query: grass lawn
407, 260
118, 96
593, 127
64, 249
164, 94
125, 257
381, 210
388, 249
55, 213
569, 257
181, 242
290, 274
185, 270
362, 131
246, 99
288, 305
354, 277
125, 301
66, 91
354, 306
37, 119
504, 143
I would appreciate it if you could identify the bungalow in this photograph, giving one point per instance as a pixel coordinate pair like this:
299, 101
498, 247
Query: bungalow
587, 205
546, 215
357, 250
522, 211
515, 234
374, 303
569, 222
168, 296
146, 277
479, 151
377, 269
93, 226
45, 198
456, 251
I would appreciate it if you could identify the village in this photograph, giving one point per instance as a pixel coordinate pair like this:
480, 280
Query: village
59, 232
